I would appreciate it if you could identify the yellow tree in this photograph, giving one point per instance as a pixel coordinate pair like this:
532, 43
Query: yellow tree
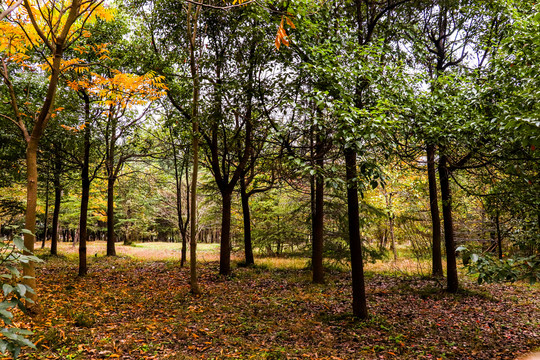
114, 92
50, 27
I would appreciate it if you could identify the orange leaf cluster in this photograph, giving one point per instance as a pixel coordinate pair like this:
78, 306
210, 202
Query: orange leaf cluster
113, 88
281, 36
74, 129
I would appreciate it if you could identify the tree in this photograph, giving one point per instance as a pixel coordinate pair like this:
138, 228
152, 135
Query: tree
253, 182
183, 222
192, 27
173, 32
56, 27
232, 118
117, 93
366, 16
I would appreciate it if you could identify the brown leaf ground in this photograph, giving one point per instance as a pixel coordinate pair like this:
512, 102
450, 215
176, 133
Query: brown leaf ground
133, 309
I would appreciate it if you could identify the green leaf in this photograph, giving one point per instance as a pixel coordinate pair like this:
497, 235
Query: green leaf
19, 243
3, 346
26, 231
10, 335
21, 289
6, 314
7, 289
24, 332
14, 270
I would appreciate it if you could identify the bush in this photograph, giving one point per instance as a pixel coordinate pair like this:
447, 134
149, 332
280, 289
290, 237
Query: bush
491, 269
13, 294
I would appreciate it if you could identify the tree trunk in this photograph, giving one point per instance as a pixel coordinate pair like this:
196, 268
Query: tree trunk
436, 255
188, 215
451, 267
225, 247
391, 218
83, 236
248, 247
183, 252
318, 227
194, 285
192, 36
392, 237
499, 235
46, 222
178, 182
85, 195
29, 269
57, 202
111, 250
357, 265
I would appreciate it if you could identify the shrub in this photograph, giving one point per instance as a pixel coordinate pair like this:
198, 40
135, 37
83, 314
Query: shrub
491, 269
14, 293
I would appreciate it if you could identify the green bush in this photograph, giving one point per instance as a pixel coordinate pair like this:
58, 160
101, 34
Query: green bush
491, 269
14, 294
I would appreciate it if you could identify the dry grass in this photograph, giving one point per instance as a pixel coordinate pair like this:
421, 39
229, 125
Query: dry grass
282, 263
403, 266
162, 251
154, 251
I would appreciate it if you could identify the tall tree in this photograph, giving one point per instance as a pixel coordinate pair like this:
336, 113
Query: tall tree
367, 15
449, 29
192, 35
230, 132
56, 26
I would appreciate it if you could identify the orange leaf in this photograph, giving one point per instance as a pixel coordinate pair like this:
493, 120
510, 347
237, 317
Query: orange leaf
289, 22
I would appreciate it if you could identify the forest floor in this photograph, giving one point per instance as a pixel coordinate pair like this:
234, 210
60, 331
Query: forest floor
141, 308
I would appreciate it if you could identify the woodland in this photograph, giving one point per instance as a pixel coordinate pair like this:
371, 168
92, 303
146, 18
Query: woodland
252, 179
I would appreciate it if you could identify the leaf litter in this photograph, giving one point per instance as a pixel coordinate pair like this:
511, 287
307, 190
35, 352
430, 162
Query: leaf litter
131, 309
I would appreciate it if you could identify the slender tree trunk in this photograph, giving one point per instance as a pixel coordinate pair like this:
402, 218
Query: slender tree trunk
83, 236
248, 247
188, 214
392, 237
46, 222
225, 247
178, 183
318, 227
192, 36
183, 252
311, 205
57, 203
312, 185
111, 250
389, 207
194, 285
499, 235
451, 266
435, 218
85, 195
357, 265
